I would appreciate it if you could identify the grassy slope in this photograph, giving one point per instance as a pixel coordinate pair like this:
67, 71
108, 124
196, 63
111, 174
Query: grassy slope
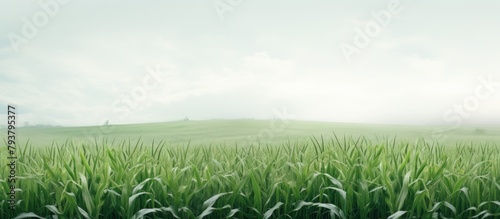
431, 178
231, 131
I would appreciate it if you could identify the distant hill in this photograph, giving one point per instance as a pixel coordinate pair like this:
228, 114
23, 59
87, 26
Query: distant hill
248, 131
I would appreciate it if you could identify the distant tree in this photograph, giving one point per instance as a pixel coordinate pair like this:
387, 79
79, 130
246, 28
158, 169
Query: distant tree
26, 124
106, 123
186, 119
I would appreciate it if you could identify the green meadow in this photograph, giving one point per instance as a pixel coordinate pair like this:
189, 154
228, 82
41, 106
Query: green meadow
254, 169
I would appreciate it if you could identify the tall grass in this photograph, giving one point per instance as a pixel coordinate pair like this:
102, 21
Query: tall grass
341, 177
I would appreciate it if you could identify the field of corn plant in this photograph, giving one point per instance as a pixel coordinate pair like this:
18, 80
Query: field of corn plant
334, 177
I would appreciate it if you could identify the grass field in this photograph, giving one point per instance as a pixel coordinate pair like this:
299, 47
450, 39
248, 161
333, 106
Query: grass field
255, 169
232, 131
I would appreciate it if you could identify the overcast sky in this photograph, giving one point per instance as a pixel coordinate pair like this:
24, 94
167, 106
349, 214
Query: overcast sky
75, 63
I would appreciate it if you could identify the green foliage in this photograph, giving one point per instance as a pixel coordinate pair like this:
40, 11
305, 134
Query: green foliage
320, 178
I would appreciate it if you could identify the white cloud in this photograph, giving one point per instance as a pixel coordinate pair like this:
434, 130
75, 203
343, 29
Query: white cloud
87, 58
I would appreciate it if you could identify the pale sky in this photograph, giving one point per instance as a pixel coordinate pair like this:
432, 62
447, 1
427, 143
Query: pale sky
75, 63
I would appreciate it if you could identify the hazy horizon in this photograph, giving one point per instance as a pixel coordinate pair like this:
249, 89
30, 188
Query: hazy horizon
439, 127
74, 63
